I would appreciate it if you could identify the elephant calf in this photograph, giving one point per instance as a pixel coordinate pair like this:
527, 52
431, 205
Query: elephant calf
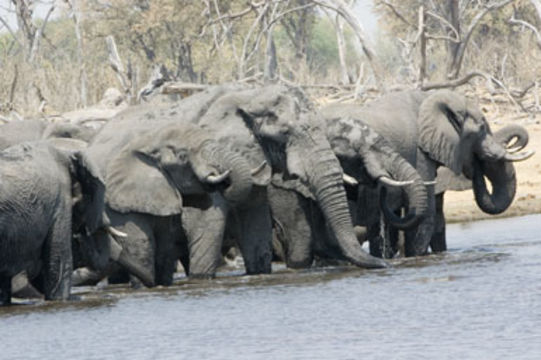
36, 181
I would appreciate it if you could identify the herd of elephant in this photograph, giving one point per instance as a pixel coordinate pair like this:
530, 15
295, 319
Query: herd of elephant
258, 168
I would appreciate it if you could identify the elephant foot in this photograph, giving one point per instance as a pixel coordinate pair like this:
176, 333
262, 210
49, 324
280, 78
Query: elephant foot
5, 290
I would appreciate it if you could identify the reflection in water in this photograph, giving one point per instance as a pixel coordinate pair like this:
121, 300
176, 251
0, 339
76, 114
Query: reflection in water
482, 299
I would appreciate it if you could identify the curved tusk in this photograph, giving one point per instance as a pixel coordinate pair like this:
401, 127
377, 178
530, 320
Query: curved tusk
391, 182
428, 183
519, 156
216, 179
258, 169
111, 230
350, 180
514, 149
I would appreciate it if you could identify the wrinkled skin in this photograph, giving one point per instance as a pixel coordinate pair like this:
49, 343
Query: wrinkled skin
430, 129
279, 125
300, 227
34, 129
513, 137
272, 124
160, 192
38, 214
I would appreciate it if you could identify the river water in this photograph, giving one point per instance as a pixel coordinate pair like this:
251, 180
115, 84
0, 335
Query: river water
481, 300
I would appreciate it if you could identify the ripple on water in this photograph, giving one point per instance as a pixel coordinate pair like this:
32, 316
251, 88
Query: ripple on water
479, 300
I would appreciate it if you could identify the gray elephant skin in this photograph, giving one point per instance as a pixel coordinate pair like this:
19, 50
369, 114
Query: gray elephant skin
301, 232
279, 125
513, 137
430, 129
271, 125
38, 214
17, 132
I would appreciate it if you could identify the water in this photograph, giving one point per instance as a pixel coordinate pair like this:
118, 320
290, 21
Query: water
481, 300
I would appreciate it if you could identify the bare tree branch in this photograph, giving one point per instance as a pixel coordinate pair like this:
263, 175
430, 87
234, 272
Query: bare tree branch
38, 34
341, 7
465, 39
516, 21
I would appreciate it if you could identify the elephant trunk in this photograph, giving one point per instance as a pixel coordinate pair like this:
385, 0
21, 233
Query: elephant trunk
513, 137
239, 180
325, 178
501, 175
118, 254
416, 193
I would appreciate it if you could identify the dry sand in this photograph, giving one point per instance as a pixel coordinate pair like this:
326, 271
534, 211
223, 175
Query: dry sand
460, 206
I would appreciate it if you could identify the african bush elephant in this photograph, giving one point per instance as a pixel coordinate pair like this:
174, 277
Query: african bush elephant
35, 129
280, 126
38, 214
436, 128
366, 159
513, 137
168, 186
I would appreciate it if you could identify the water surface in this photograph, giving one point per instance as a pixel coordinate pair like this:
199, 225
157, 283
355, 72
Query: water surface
481, 300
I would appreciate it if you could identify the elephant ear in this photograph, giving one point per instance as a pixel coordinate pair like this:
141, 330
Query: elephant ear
441, 121
447, 180
90, 206
135, 183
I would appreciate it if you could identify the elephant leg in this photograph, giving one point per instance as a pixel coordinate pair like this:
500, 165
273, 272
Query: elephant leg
383, 239
5, 289
254, 235
294, 235
439, 242
204, 230
418, 240
168, 233
57, 258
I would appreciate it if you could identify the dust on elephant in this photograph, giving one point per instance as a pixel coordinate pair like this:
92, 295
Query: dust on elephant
367, 159
430, 129
513, 137
35, 129
38, 213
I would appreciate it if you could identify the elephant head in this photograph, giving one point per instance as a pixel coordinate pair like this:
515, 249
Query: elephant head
284, 123
359, 147
454, 132
152, 172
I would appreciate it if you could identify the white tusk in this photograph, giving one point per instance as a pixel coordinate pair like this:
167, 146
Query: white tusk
428, 183
258, 169
391, 182
350, 180
519, 156
216, 179
111, 230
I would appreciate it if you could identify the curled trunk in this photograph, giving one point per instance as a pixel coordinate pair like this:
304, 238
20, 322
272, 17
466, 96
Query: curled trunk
513, 137
239, 180
501, 175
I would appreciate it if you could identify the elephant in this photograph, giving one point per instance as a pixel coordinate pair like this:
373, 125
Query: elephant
39, 213
278, 125
431, 129
513, 137
168, 184
35, 129
276, 130
367, 158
